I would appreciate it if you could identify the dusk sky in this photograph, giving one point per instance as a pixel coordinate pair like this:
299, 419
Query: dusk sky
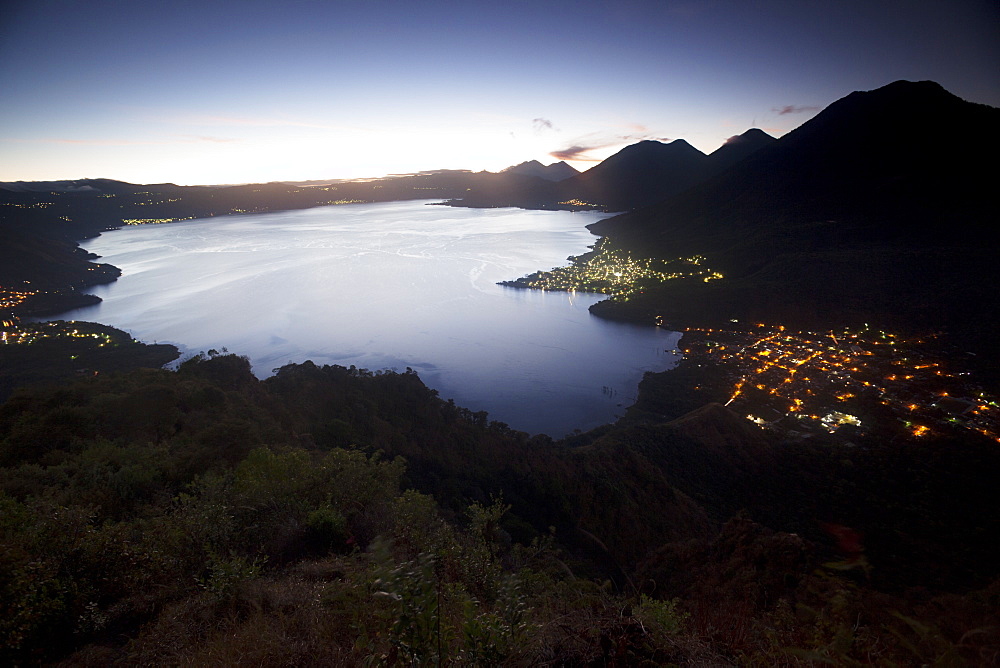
214, 92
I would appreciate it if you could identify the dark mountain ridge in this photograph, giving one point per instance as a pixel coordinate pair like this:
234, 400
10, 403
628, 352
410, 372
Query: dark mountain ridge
737, 148
206, 516
638, 174
877, 209
122, 493
651, 171
869, 153
95, 186
557, 171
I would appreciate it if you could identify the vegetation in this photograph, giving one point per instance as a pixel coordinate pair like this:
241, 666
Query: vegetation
53, 351
334, 516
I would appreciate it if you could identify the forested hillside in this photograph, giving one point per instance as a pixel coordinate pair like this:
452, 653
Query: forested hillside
332, 516
814, 484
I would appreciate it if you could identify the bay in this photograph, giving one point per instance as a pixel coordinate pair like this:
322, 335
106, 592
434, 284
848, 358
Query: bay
389, 286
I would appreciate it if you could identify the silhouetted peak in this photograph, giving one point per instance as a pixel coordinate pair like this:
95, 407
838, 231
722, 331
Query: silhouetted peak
557, 171
529, 164
903, 112
904, 87
753, 135
737, 148
897, 96
649, 152
653, 146
640, 174
560, 171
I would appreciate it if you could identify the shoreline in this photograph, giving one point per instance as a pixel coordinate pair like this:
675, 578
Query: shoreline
575, 241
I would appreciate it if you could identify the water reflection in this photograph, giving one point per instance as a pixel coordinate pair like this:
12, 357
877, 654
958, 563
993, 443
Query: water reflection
391, 285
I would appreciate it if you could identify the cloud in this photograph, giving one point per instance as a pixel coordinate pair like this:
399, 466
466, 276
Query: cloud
640, 132
579, 149
542, 124
577, 152
792, 109
735, 139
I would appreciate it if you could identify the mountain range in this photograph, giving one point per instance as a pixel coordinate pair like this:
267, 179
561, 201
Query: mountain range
639, 174
557, 171
196, 515
905, 157
879, 209
876, 210
650, 171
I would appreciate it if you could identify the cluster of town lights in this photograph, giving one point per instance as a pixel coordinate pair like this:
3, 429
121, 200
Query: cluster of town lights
615, 272
807, 381
11, 297
152, 221
14, 334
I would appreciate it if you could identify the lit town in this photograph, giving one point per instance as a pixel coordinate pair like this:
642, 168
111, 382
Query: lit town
807, 384
614, 272
801, 384
741, 408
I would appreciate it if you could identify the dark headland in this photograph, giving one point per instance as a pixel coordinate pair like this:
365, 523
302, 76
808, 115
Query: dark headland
814, 484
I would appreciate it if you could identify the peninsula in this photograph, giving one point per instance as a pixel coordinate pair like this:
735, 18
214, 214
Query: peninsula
814, 483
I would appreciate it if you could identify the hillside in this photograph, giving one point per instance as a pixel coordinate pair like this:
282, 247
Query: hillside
557, 171
862, 214
173, 516
869, 154
638, 175
736, 149
784, 496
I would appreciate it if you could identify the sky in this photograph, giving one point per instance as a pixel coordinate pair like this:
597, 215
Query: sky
226, 91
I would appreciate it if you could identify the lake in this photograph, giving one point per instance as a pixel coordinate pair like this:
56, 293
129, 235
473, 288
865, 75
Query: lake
389, 286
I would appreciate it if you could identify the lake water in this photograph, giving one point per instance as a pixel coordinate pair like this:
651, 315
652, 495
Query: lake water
389, 285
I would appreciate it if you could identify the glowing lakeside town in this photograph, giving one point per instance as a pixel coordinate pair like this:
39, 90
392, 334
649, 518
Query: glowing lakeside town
614, 272
800, 384
806, 384
31, 333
